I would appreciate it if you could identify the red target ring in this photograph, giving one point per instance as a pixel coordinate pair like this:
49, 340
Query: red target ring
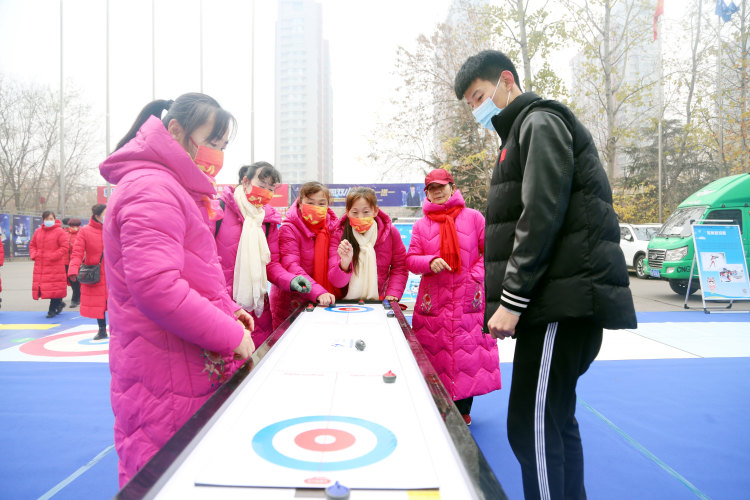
38, 347
320, 440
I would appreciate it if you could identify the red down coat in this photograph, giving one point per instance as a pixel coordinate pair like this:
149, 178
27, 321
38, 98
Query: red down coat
49, 249
449, 311
88, 250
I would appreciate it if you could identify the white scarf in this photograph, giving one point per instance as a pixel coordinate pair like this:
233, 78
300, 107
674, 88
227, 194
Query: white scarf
252, 256
363, 284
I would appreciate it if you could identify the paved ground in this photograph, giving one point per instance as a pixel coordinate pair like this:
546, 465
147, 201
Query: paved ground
650, 295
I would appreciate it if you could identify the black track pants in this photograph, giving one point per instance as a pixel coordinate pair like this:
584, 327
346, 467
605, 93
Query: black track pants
542, 428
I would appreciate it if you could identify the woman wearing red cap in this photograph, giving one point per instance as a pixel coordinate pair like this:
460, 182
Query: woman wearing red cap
447, 247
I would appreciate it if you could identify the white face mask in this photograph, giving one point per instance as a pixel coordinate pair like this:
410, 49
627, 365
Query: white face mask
49, 223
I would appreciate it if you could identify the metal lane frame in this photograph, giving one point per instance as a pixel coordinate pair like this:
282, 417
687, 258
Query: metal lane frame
150, 479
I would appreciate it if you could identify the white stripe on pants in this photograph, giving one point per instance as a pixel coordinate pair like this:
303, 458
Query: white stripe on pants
539, 409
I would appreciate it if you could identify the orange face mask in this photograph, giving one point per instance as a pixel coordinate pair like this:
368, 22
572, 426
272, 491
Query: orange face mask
259, 196
208, 160
313, 214
361, 224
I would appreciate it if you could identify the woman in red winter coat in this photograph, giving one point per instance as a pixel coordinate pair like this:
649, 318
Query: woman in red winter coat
89, 250
74, 225
48, 249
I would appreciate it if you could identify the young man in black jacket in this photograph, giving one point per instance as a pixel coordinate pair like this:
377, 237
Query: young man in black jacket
555, 274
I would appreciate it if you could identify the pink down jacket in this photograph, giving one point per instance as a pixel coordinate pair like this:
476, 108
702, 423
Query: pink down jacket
297, 246
449, 311
390, 254
227, 241
171, 321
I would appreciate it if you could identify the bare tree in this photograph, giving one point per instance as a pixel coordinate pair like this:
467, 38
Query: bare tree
29, 141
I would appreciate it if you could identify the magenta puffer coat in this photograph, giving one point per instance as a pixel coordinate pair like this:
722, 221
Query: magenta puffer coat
449, 311
297, 246
171, 320
389, 253
227, 241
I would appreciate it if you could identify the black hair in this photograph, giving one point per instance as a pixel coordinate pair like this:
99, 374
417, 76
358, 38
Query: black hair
47, 213
190, 110
487, 65
267, 171
65, 221
98, 209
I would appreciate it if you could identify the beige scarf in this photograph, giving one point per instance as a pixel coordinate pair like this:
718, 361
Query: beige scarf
252, 257
363, 284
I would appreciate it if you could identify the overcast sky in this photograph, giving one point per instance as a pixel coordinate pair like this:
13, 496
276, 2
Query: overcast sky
363, 39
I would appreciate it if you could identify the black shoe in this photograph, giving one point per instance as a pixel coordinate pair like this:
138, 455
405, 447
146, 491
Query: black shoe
51, 314
101, 335
74, 304
61, 307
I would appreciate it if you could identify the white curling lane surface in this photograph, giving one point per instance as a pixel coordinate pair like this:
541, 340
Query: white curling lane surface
316, 411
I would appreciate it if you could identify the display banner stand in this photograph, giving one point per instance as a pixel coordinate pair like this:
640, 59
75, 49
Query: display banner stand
722, 267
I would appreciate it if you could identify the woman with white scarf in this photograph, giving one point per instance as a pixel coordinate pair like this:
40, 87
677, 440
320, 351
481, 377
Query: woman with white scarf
367, 257
247, 240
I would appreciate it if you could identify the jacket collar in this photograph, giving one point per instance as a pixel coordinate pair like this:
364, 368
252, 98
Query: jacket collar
504, 121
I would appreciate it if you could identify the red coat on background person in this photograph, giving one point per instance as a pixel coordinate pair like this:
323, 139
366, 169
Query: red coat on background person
72, 235
88, 250
48, 249
2, 261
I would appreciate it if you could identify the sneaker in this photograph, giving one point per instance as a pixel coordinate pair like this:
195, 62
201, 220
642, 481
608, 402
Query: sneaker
51, 314
467, 419
101, 335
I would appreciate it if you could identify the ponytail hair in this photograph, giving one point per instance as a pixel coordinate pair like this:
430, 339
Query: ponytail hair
190, 110
372, 199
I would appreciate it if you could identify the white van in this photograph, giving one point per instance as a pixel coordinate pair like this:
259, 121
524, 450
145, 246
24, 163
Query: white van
634, 240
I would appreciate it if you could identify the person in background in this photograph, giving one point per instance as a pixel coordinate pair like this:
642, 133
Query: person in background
366, 255
2, 261
304, 239
412, 197
446, 248
555, 273
174, 330
247, 240
49, 249
89, 250
74, 225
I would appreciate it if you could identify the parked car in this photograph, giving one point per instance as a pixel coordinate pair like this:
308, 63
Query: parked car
634, 240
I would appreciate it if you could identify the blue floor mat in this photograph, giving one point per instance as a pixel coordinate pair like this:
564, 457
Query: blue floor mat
650, 429
55, 417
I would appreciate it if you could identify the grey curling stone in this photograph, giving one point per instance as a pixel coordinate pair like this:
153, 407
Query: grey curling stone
337, 492
391, 314
360, 345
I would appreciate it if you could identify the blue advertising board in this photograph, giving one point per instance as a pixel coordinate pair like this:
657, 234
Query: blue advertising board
21, 232
389, 195
722, 266
5, 233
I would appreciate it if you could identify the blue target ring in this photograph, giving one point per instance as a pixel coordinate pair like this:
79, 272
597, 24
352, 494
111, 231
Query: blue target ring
346, 309
263, 445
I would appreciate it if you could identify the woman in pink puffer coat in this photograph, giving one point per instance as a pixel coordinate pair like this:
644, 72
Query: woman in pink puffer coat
173, 329
449, 311
300, 237
364, 229
258, 177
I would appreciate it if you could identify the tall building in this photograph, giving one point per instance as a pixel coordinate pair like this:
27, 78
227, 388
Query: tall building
304, 125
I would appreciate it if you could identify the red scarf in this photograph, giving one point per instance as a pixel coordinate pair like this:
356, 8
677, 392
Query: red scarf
449, 249
320, 257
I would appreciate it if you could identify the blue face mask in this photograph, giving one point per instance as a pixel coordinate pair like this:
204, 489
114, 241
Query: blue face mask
49, 223
485, 111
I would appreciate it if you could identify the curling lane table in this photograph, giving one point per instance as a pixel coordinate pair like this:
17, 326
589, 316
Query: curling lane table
311, 408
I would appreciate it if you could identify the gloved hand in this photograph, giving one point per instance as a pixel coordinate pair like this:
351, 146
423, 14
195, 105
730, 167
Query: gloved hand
300, 284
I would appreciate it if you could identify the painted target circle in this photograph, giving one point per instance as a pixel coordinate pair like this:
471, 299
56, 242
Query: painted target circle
66, 345
344, 443
349, 309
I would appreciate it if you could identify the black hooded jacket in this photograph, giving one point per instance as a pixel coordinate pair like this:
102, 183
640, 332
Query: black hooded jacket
552, 247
